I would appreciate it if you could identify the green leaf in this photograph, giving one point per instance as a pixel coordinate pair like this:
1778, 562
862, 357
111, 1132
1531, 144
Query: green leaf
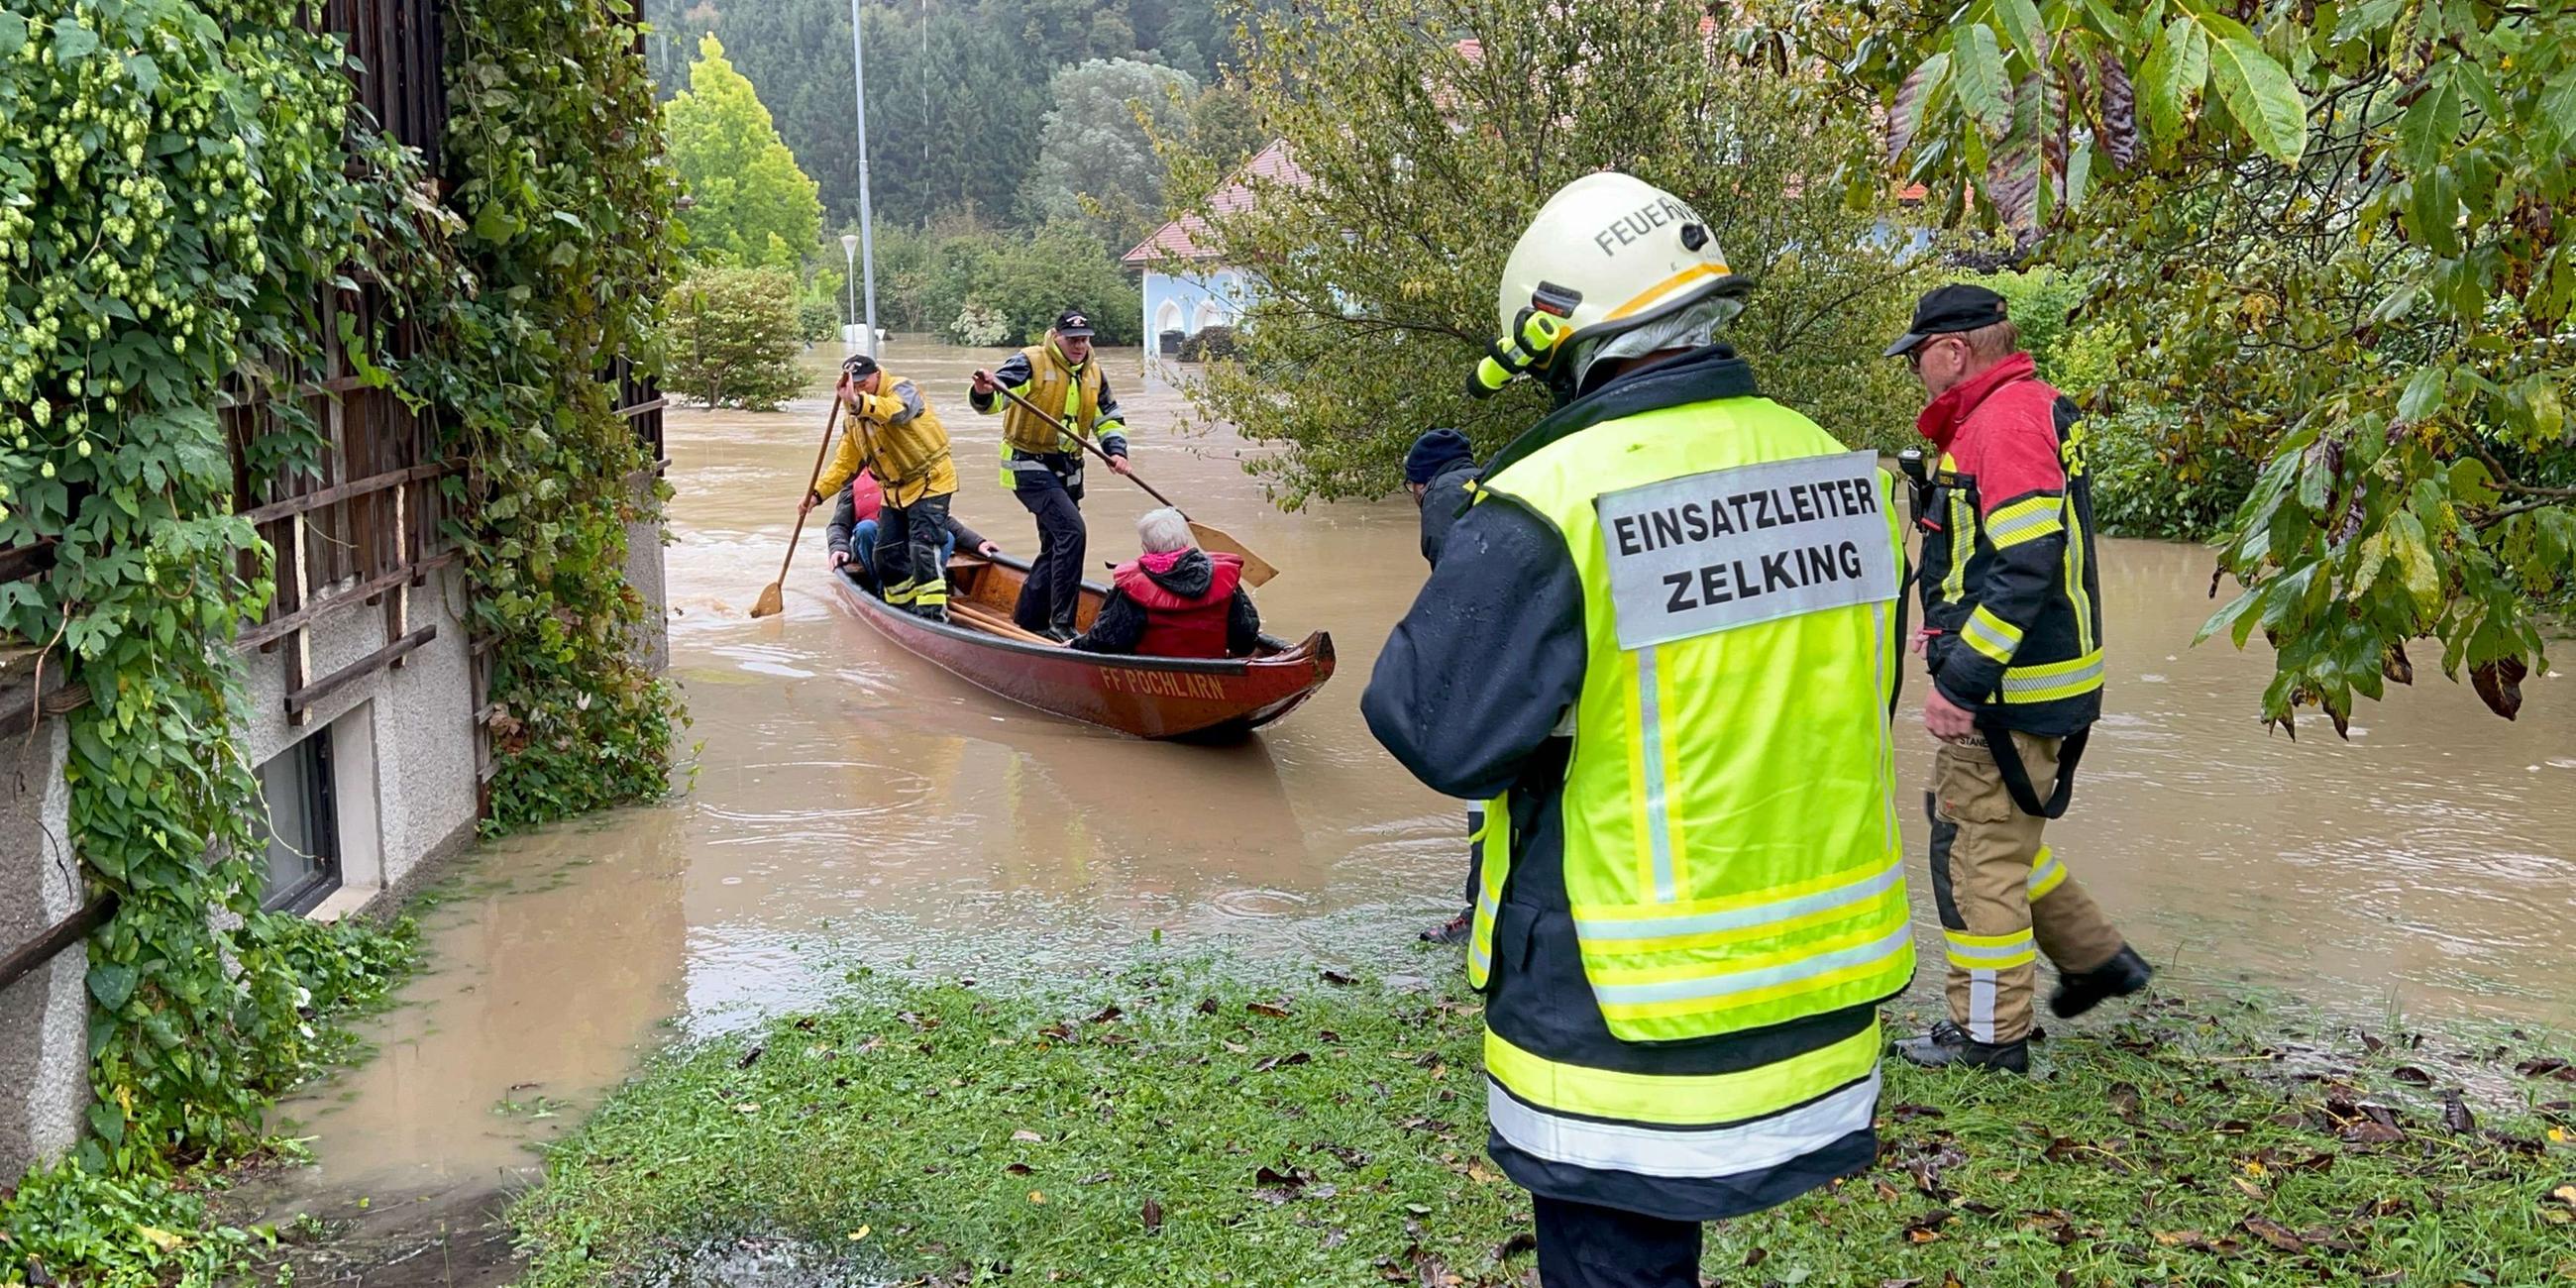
2424, 393
2423, 580
2433, 211
107, 1123
13, 33
2471, 484
1906, 117
2261, 98
72, 41
146, 73
1977, 69
2174, 71
2558, 104
111, 983
2426, 131
2021, 23
2219, 620
2108, 22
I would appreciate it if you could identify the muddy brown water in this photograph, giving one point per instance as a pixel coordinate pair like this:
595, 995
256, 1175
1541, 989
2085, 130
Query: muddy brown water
853, 803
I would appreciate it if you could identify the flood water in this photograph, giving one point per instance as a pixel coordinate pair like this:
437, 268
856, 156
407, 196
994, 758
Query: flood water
853, 803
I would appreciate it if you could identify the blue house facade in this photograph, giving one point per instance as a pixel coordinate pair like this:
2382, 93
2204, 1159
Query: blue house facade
1187, 285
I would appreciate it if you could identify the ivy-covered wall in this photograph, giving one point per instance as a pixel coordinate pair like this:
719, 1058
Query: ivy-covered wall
181, 181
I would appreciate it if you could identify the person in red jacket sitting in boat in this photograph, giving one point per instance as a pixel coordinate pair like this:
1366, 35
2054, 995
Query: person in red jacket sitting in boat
1175, 600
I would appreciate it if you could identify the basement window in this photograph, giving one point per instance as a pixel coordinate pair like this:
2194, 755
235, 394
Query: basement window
302, 830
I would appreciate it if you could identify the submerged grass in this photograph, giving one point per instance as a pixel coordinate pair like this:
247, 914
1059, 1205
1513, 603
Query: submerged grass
1173, 1126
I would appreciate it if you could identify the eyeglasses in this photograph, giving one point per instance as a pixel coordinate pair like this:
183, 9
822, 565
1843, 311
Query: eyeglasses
1914, 356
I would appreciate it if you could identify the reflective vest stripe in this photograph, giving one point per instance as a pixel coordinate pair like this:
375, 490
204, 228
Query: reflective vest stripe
1963, 537
2046, 874
1798, 968
1647, 749
1991, 635
2049, 681
1991, 952
1662, 1151
1681, 1100
1656, 932
1493, 865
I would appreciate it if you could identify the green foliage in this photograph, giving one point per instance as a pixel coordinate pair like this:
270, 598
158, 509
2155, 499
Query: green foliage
1332, 1135
1013, 284
77, 1226
2325, 236
2151, 480
817, 320
182, 182
1096, 161
567, 202
735, 334
954, 113
750, 205
1427, 164
185, 180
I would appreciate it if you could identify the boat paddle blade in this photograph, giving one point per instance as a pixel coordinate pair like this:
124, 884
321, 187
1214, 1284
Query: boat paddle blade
1256, 570
772, 602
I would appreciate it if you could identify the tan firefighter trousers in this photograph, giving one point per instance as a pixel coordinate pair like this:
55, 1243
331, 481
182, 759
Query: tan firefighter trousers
2004, 898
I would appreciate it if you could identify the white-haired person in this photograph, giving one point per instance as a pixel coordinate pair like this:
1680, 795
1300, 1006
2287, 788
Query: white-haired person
1174, 600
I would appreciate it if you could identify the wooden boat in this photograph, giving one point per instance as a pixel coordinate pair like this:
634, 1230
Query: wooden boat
1150, 697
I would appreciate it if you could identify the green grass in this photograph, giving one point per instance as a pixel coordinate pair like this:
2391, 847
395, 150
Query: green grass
1174, 1126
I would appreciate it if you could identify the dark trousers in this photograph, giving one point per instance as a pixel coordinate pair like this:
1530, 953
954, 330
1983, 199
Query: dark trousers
1054, 587
909, 539
1582, 1246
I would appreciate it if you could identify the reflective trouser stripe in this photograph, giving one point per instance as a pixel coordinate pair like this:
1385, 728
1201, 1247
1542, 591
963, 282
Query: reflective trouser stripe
2046, 874
1991, 952
933, 593
1598, 928
901, 593
1680, 1100
1809, 969
1990, 635
1663, 1151
1492, 866
1981, 1005
2050, 681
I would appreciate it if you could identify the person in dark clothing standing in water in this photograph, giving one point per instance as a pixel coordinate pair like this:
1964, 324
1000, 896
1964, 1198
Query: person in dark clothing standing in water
1437, 472
1043, 468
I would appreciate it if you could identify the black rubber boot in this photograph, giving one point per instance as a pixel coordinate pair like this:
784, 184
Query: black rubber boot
2081, 991
1949, 1046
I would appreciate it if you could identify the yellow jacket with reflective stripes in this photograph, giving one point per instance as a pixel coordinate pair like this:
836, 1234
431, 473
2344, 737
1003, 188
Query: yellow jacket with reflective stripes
894, 434
1077, 396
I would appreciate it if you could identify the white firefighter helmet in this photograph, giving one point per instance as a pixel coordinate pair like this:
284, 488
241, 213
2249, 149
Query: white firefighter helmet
1609, 253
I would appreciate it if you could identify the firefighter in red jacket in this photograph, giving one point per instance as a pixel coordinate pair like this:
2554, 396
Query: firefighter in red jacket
1174, 600
2013, 635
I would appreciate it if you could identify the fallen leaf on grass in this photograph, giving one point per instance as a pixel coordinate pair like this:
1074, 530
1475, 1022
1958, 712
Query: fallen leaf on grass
1950, 1278
1275, 1010
860, 1233
1754, 1258
2565, 1194
1152, 1215
1103, 1015
2411, 1076
1206, 1006
750, 1057
1024, 1134
2456, 1116
2274, 1233
1037, 1196
1016, 1169
1293, 1057
2547, 1066
159, 1238
2181, 1239
2371, 1131
1916, 1282
1331, 976
1520, 1243
2124, 1100
1927, 1227
1908, 1113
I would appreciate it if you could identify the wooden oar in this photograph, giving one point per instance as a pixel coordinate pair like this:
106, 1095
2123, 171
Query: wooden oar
993, 623
1256, 570
772, 596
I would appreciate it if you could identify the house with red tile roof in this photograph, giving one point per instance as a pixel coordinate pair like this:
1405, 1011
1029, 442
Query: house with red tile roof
1188, 286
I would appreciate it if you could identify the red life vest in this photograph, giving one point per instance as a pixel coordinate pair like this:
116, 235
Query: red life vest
1176, 626
867, 496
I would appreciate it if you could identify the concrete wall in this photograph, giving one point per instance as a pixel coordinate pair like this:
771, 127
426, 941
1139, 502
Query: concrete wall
44, 1028
402, 739
644, 571
1187, 302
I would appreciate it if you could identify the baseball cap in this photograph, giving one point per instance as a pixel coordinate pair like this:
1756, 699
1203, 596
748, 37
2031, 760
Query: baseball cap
1073, 322
1960, 306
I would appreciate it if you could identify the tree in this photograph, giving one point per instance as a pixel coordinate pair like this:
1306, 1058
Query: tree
1426, 158
2332, 239
734, 340
1225, 127
750, 205
1096, 161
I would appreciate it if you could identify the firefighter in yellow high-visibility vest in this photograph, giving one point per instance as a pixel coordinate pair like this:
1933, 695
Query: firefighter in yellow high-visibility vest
1661, 643
893, 433
1060, 377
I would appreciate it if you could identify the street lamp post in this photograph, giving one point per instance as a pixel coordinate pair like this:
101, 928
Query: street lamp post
867, 255
850, 252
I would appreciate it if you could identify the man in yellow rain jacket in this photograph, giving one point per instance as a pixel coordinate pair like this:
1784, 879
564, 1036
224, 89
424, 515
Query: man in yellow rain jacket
894, 435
